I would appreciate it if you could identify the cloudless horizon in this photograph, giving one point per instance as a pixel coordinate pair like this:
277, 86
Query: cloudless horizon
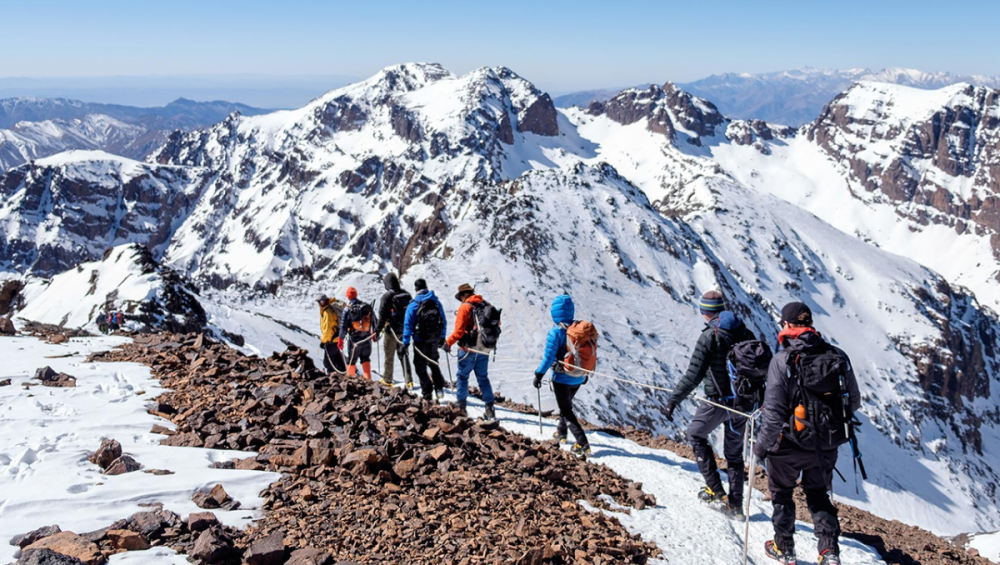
298, 46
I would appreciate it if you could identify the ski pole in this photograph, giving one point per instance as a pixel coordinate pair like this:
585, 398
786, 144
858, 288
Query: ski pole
539, 391
752, 474
447, 358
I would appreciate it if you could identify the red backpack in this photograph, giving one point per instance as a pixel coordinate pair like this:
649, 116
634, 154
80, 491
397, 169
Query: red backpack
580, 358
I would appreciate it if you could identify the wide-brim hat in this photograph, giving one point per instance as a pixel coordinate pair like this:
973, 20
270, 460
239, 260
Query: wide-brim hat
465, 288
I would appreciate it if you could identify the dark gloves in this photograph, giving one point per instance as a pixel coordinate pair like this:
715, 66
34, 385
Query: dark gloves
759, 451
374, 336
404, 349
443, 344
538, 379
670, 411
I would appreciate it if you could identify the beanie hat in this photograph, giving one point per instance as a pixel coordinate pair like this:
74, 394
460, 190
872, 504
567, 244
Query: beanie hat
420, 284
352, 293
797, 313
711, 303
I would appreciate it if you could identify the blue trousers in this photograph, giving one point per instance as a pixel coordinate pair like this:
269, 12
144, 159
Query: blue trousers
467, 363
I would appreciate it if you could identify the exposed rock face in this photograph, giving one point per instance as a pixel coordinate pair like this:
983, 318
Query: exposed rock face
755, 133
540, 117
666, 109
941, 154
10, 296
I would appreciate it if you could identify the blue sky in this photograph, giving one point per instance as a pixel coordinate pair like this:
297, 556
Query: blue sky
561, 46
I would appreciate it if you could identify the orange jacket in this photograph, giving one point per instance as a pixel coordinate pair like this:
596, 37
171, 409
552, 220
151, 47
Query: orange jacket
463, 321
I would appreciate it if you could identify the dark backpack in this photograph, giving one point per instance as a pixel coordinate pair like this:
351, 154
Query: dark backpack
486, 326
747, 363
429, 323
818, 380
361, 318
399, 303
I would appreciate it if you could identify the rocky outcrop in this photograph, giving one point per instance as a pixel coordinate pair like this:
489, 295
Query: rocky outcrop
756, 133
540, 117
941, 160
666, 109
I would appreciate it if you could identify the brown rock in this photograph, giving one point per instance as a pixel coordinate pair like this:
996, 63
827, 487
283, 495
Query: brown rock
266, 551
405, 468
5, 382
368, 456
106, 454
127, 540
309, 556
24, 540
440, 452
198, 521
220, 495
213, 546
122, 465
203, 499
68, 543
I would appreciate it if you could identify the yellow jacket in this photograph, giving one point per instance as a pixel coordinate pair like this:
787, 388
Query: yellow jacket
329, 323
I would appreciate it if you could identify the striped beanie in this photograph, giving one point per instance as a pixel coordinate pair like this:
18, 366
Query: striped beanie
711, 303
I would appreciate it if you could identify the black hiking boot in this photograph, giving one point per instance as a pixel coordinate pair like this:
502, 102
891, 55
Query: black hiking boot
785, 558
461, 406
489, 415
559, 437
438, 396
829, 558
708, 496
581, 451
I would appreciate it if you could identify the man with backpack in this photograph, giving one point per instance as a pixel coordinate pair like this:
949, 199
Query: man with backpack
477, 327
425, 326
329, 325
391, 315
709, 359
571, 353
808, 414
359, 325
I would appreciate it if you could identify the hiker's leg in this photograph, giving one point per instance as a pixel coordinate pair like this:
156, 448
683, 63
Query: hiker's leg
733, 450
327, 362
706, 419
564, 399
389, 347
421, 365
436, 377
782, 473
816, 482
482, 377
466, 362
352, 358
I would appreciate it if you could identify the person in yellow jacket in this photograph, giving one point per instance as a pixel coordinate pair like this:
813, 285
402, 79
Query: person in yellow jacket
329, 324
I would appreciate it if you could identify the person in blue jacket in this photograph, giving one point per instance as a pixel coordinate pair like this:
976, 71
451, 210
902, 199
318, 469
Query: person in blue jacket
424, 324
564, 386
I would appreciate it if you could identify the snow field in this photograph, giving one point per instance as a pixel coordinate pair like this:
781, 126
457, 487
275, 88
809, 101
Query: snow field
47, 433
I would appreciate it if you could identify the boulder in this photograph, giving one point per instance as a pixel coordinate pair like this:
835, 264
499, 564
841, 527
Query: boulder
24, 540
107, 453
152, 523
198, 521
213, 546
46, 557
266, 551
309, 556
7, 326
122, 465
127, 540
68, 543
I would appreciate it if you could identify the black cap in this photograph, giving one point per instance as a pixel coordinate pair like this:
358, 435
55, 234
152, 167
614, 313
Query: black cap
797, 313
420, 284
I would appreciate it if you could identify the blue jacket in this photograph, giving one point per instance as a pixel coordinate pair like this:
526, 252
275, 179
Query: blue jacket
410, 322
562, 313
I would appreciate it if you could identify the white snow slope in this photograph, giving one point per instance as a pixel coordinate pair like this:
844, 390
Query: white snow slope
47, 433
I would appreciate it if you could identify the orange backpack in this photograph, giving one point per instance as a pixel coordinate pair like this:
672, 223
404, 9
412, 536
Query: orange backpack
361, 318
580, 359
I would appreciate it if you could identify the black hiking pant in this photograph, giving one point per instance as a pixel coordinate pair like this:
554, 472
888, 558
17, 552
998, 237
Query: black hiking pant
360, 349
434, 381
333, 360
783, 470
567, 417
706, 419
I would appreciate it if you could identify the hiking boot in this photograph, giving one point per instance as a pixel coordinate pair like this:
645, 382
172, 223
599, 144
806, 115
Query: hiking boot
461, 406
409, 385
708, 496
785, 558
735, 511
490, 414
581, 451
561, 438
438, 396
386, 383
829, 558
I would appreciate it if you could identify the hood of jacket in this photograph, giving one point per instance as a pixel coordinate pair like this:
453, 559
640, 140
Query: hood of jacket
391, 282
808, 340
562, 309
726, 321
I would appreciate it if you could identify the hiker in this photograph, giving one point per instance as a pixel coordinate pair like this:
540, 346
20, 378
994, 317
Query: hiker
102, 323
119, 318
722, 330
425, 326
477, 325
112, 321
358, 324
567, 379
391, 315
806, 417
329, 324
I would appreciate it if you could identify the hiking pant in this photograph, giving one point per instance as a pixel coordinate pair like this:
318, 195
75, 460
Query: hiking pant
567, 418
783, 470
333, 360
706, 419
390, 346
359, 352
434, 381
467, 363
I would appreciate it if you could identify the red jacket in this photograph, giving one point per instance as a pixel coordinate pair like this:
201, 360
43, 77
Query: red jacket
463, 321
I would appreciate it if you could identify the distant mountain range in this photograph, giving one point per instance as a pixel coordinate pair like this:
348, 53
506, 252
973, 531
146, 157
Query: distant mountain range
32, 128
792, 97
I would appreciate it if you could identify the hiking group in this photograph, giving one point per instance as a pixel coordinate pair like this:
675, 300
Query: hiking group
805, 395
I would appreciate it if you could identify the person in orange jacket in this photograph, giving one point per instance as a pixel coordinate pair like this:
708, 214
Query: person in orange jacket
468, 361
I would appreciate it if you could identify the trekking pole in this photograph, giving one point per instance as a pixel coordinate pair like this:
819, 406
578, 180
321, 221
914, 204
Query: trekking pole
751, 477
539, 391
447, 359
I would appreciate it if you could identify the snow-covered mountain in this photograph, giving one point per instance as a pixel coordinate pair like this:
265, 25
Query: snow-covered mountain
794, 97
31, 128
634, 205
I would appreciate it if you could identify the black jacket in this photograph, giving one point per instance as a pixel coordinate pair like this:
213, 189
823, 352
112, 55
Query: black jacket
709, 357
779, 397
385, 318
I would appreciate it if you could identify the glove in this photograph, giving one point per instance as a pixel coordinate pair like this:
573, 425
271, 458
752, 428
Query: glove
443, 344
538, 379
405, 349
374, 337
759, 451
447, 348
670, 411
340, 344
